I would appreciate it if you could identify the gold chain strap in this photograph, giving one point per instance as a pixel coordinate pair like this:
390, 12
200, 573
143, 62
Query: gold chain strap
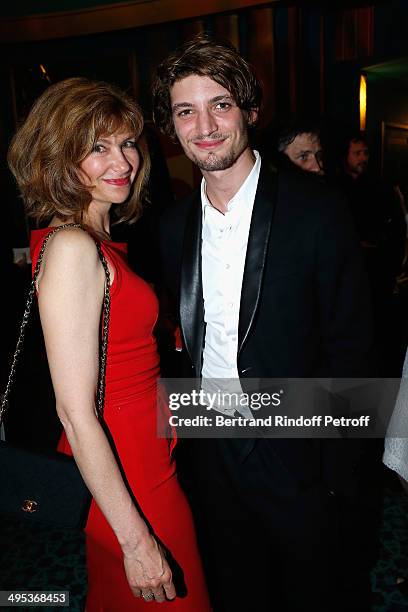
100, 395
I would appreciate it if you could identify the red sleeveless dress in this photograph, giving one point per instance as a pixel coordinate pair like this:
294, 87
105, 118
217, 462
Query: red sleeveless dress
130, 415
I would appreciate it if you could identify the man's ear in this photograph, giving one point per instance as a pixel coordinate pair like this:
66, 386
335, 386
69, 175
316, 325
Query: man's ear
253, 117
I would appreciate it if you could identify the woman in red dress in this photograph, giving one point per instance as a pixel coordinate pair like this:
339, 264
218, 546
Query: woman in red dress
80, 157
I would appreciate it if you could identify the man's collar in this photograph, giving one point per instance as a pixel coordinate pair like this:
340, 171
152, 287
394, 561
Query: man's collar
254, 173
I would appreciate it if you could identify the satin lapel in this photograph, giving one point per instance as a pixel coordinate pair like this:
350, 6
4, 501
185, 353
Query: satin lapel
258, 240
191, 287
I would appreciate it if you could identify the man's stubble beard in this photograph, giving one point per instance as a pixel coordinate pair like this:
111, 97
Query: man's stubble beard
361, 168
213, 163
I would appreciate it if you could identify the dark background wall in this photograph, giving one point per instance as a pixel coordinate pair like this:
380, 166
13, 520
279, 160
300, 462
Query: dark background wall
309, 56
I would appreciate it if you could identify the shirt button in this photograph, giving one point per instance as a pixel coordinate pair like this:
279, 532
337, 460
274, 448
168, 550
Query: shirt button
227, 266
230, 304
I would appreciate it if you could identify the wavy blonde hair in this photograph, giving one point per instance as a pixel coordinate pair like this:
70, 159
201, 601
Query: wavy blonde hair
60, 131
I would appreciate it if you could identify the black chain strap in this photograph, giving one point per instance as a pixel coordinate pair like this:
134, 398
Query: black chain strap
100, 395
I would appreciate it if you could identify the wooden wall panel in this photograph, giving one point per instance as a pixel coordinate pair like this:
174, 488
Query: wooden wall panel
322, 64
280, 33
134, 72
294, 43
261, 54
226, 27
355, 34
189, 29
365, 32
345, 36
310, 69
113, 17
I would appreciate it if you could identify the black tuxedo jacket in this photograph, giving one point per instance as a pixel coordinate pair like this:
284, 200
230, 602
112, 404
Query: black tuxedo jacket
304, 308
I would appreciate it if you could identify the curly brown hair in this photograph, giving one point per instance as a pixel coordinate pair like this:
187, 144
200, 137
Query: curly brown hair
60, 131
204, 56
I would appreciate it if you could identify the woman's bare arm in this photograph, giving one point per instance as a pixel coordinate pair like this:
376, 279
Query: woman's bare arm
71, 289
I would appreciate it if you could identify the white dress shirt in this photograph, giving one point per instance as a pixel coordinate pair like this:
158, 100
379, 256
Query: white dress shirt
224, 246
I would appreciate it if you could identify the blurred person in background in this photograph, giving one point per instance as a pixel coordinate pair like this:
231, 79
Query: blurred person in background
381, 229
300, 142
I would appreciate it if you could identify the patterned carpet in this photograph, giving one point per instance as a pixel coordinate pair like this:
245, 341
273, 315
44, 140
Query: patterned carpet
58, 565
393, 560
26, 563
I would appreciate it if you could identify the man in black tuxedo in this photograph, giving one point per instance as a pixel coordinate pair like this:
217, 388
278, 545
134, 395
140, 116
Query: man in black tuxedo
266, 270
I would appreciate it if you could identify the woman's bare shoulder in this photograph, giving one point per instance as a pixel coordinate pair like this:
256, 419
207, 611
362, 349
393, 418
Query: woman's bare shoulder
72, 243
72, 238
71, 250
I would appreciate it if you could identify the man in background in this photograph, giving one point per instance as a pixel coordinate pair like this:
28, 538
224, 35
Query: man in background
381, 230
300, 142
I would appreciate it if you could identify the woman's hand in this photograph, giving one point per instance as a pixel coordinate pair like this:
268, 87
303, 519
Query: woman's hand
148, 572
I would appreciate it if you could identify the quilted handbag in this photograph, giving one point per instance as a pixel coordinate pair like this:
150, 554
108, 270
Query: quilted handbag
38, 487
